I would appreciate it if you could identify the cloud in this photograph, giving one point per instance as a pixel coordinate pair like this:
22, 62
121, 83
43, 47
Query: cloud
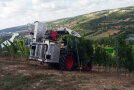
42, 5
82, 3
19, 12
51, 5
12, 7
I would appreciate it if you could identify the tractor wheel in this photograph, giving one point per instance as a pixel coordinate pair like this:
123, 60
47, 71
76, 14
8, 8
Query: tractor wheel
67, 62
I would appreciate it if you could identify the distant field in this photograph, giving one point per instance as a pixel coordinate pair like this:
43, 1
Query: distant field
107, 33
130, 35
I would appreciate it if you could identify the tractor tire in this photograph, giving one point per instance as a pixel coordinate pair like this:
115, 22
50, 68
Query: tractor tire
67, 62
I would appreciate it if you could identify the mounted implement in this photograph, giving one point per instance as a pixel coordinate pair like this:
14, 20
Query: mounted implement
56, 48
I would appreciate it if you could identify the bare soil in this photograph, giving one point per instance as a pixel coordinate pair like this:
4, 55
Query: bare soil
23, 75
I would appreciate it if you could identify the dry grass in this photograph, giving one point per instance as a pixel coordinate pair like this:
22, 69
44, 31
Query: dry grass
20, 75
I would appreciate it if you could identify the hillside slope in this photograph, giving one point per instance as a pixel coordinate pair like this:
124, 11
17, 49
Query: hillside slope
15, 29
101, 21
95, 23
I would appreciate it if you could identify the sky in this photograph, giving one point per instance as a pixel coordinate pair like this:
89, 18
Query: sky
21, 12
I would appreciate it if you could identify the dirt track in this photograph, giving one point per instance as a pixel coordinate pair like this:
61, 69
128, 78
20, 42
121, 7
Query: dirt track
16, 74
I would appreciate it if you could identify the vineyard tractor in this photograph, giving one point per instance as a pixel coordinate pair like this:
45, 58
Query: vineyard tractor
47, 46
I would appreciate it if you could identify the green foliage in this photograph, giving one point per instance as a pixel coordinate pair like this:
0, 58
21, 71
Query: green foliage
85, 50
100, 56
6, 50
107, 52
16, 48
113, 52
124, 53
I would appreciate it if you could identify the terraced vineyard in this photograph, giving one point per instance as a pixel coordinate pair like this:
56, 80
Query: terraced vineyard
101, 21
